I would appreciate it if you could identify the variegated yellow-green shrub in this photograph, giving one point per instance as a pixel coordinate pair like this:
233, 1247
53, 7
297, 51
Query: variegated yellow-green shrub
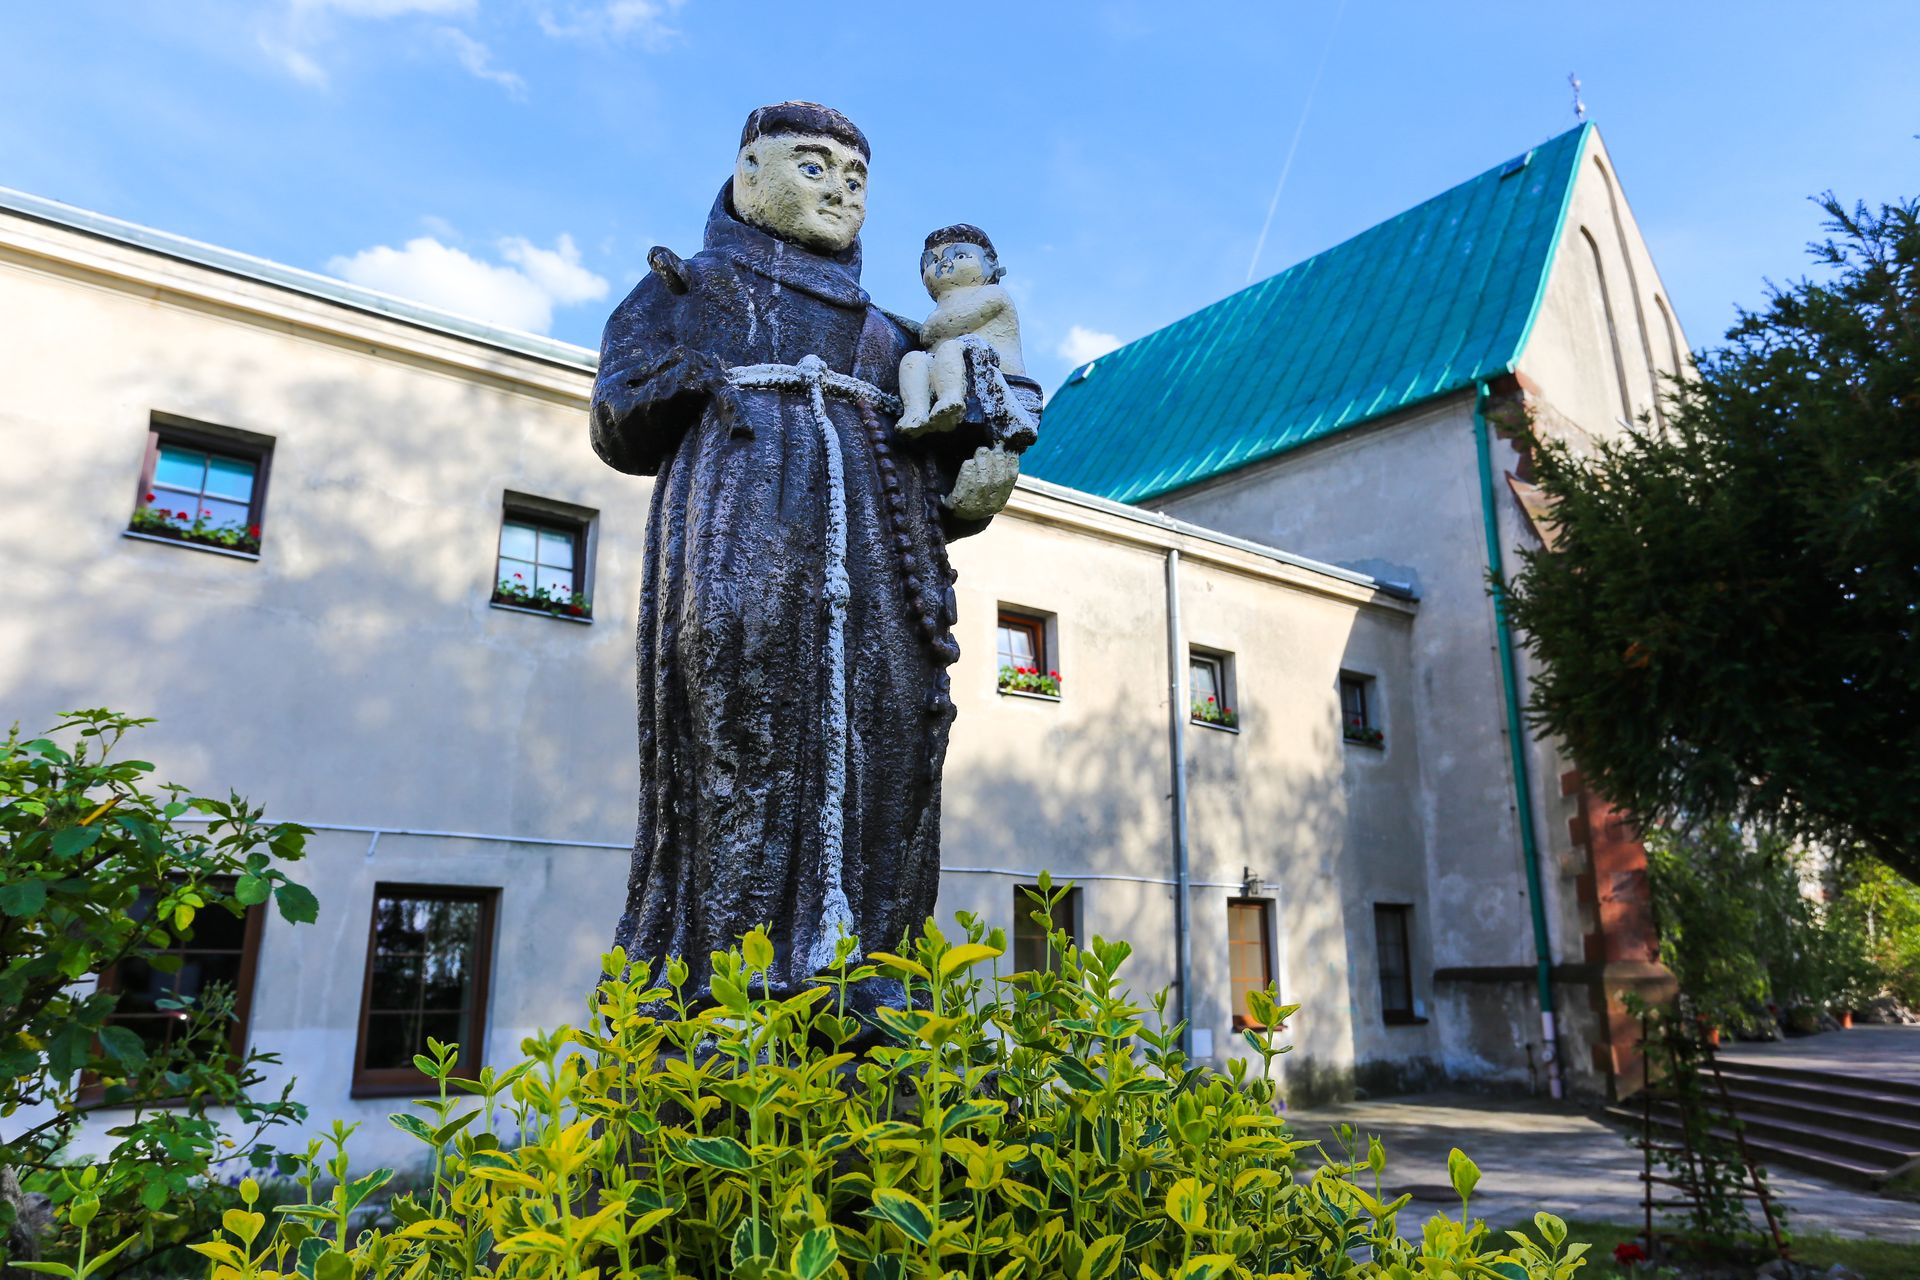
1018, 1126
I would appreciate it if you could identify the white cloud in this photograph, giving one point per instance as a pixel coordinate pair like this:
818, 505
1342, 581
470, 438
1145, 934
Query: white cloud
643, 20
478, 60
520, 293
294, 33
294, 62
1083, 344
556, 270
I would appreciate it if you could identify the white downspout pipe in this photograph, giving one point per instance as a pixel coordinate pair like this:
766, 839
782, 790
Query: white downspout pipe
1177, 741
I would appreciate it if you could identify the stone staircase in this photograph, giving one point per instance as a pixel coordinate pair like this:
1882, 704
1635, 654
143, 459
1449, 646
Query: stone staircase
1854, 1130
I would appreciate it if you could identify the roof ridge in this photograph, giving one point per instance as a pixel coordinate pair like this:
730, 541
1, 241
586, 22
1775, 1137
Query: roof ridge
1412, 307
1582, 128
1586, 130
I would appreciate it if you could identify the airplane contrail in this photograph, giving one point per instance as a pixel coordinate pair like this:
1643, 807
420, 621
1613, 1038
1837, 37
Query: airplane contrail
1294, 146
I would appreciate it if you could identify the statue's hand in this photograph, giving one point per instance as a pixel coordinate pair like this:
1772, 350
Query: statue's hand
984, 484
680, 378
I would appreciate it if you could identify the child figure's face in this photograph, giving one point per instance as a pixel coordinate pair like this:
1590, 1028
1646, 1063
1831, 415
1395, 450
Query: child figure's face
953, 266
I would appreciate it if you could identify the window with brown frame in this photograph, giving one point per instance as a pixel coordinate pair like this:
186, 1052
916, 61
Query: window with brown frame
1250, 958
429, 950
1022, 641
203, 486
1030, 948
542, 562
1025, 662
1392, 936
223, 949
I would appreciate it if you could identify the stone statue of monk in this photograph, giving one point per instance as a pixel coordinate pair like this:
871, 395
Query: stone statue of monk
796, 623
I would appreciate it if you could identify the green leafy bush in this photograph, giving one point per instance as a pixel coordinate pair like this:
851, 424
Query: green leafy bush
1881, 907
1028, 1125
1743, 935
97, 872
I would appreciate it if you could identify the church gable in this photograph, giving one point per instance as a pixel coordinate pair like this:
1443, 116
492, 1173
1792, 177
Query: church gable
1606, 342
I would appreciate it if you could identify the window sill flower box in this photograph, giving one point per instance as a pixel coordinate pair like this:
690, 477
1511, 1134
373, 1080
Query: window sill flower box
1365, 736
177, 526
574, 607
1210, 713
1030, 681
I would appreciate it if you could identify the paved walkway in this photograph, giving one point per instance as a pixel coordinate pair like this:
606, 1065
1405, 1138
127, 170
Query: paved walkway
1534, 1156
1872, 1053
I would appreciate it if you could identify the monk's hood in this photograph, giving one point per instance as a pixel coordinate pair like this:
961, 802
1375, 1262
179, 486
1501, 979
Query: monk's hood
832, 278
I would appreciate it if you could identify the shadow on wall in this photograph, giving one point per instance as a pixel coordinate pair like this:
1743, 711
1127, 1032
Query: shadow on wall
1094, 795
356, 672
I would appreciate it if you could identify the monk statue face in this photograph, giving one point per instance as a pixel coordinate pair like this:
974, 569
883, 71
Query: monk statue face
807, 189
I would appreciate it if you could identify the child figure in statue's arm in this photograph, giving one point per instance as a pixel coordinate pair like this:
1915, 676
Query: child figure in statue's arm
962, 273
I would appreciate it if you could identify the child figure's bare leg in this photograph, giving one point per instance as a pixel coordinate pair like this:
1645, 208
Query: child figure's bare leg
916, 392
949, 386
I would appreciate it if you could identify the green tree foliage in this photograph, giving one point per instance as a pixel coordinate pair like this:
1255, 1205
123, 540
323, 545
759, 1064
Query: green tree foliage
1882, 908
1746, 924
97, 871
1031, 1126
1728, 625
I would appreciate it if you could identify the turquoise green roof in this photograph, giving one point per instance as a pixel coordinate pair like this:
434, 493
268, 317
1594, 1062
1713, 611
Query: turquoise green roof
1417, 307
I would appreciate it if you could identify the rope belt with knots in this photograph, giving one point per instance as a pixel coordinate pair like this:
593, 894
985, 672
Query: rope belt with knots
820, 382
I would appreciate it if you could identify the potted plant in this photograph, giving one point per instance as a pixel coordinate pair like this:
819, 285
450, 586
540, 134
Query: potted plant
554, 600
183, 526
1210, 711
1364, 734
1030, 680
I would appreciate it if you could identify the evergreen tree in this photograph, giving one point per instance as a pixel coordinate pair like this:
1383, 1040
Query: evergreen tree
1727, 626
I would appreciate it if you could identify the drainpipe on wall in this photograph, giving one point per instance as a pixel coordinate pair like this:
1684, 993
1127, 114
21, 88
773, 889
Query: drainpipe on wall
1177, 741
1516, 741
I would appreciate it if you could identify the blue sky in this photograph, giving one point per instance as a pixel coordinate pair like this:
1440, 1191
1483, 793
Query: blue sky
516, 158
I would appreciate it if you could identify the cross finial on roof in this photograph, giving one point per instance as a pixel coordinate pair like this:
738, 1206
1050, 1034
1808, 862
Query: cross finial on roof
1579, 107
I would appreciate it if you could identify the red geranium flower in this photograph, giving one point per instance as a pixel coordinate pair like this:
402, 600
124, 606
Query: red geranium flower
253, 531
181, 514
1627, 1252
149, 497
516, 577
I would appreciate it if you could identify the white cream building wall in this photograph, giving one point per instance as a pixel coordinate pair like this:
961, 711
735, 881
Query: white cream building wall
355, 675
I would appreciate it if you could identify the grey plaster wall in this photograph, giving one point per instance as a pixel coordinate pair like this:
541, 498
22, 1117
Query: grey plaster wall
1401, 499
